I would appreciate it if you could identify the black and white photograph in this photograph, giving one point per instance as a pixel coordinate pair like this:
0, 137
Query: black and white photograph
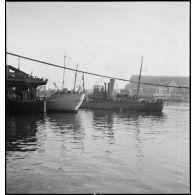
97, 97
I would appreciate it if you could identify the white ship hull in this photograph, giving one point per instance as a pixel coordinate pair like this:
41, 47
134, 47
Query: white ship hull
65, 102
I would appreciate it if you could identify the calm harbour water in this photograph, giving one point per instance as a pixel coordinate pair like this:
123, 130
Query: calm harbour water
99, 151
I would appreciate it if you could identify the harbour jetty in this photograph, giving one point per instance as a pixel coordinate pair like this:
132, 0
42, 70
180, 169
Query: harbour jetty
21, 92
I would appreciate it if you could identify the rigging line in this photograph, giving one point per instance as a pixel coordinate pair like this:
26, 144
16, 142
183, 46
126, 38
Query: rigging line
85, 72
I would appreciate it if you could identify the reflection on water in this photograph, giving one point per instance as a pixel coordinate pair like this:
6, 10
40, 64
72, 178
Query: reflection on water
21, 132
99, 152
68, 125
103, 121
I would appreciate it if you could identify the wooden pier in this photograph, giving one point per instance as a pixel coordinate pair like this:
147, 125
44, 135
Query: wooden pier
21, 92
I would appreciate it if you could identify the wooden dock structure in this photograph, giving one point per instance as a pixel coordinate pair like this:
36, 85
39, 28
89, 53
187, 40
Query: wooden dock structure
21, 92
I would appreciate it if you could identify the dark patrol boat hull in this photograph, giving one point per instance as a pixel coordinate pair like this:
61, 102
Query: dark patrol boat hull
156, 105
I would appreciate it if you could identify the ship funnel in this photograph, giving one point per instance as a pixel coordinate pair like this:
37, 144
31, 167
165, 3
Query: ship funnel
111, 88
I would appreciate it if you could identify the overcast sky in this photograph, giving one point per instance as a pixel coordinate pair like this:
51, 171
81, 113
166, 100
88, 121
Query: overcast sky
103, 37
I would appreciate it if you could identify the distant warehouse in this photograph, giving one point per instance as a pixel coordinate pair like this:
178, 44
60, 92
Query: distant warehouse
167, 93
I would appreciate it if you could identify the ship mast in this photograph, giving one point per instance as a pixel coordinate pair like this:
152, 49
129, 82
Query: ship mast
139, 78
64, 70
83, 83
19, 63
75, 78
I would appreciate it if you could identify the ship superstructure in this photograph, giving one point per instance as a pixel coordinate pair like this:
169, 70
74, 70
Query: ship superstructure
105, 97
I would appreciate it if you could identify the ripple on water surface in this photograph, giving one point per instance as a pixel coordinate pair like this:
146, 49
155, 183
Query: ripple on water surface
99, 152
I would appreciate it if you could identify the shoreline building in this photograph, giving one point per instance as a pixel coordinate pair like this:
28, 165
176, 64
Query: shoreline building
155, 92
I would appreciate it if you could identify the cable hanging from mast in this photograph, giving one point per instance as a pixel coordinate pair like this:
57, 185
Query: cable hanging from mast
94, 74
